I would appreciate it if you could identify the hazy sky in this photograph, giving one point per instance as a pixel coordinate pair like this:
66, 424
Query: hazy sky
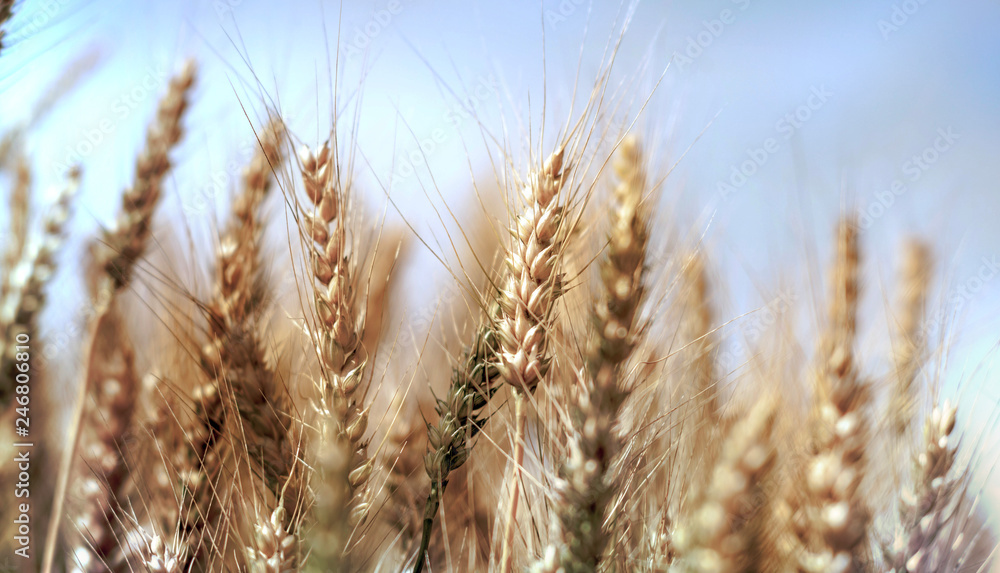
888, 106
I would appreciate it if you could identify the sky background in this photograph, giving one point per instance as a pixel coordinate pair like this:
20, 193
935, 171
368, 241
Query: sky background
874, 83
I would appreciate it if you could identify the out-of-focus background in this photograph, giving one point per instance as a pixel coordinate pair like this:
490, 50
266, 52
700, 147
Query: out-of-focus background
786, 113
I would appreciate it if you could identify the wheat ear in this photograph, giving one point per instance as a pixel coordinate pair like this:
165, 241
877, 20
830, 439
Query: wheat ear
531, 286
342, 466
910, 340
836, 514
586, 487
116, 256
275, 547
697, 324
126, 242
235, 356
103, 462
715, 535
462, 414
19, 310
926, 510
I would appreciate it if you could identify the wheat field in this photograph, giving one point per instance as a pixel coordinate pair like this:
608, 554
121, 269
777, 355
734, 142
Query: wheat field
247, 384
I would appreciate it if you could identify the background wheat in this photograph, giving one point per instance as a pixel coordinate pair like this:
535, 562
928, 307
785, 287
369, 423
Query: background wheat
496, 321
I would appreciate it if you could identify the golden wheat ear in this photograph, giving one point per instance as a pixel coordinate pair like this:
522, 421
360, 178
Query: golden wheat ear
339, 455
103, 466
19, 310
114, 260
586, 486
836, 514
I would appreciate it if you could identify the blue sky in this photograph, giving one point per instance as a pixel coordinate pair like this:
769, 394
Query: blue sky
874, 83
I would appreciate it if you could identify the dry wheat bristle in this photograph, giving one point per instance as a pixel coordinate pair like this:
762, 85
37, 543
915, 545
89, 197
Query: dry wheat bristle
586, 487
909, 341
836, 515
125, 243
715, 535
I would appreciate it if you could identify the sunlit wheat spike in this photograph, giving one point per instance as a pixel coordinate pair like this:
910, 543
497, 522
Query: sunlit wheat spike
341, 465
927, 509
17, 234
586, 487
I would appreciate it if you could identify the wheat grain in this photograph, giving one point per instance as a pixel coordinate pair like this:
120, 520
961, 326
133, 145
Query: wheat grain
275, 547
